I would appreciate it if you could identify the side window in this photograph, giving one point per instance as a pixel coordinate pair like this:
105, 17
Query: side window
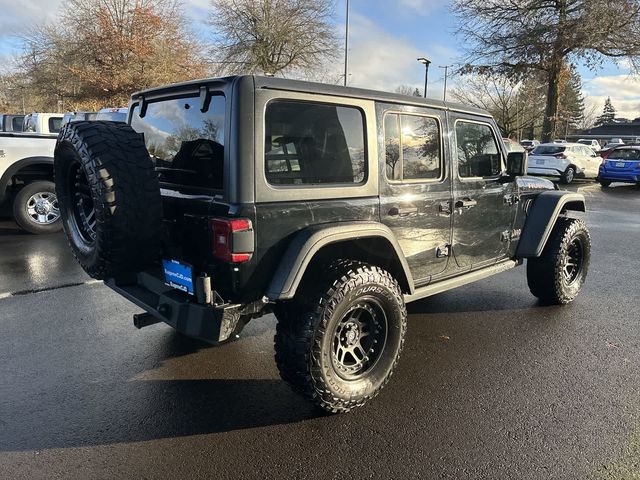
55, 124
314, 144
412, 147
478, 153
29, 124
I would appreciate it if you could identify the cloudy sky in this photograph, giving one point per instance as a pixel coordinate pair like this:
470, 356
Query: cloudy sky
384, 44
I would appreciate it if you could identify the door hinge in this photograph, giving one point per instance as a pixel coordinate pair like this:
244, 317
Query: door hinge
443, 251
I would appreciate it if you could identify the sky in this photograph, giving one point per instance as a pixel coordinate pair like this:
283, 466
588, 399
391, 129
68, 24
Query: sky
385, 40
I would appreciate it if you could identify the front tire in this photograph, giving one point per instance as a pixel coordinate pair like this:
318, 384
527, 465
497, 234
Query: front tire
338, 344
36, 209
557, 276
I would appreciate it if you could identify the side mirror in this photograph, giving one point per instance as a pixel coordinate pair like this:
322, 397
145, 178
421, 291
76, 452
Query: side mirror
517, 164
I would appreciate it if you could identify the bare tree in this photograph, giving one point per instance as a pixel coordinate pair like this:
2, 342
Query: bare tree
100, 51
519, 36
272, 36
408, 90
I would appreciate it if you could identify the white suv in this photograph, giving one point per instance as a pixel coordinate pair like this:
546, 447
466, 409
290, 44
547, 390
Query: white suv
594, 144
564, 160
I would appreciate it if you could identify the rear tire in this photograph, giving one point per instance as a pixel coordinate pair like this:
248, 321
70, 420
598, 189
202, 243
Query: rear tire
36, 209
338, 344
109, 197
605, 183
557, 276
567, 177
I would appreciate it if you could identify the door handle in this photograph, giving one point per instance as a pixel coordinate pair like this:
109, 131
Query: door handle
402, 211
466, 203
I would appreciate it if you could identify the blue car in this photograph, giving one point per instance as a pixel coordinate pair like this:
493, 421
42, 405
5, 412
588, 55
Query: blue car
621, 165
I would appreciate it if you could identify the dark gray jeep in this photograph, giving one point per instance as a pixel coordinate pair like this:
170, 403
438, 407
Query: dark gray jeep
222, 200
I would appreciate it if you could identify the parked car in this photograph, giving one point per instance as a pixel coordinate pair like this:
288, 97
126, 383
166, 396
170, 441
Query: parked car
593, 144
26, 181
78, 117
42, 123
113, 114
621, 165
529, 144
566, 161
11, 123
308, 200
512, 145
559, 140
611, 145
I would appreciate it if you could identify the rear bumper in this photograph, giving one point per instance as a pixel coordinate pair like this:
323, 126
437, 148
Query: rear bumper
545, 172
212, 323
626, 177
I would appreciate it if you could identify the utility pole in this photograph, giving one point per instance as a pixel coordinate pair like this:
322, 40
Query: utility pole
446, 71
346, 46
426, 64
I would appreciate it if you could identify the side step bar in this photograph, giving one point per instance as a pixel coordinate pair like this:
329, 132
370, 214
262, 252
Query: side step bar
444, 285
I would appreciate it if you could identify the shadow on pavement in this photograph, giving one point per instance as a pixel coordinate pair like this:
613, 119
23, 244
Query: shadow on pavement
121, 410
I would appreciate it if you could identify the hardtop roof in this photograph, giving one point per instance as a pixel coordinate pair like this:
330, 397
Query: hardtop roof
262, 82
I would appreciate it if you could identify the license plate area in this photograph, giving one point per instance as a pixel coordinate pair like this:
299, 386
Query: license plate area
540, 161
178, 275
621, 164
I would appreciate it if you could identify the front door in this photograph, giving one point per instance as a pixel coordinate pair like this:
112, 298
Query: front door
415, 186
483, 205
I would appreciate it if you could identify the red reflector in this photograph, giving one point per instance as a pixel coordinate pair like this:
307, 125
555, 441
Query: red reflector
223, 231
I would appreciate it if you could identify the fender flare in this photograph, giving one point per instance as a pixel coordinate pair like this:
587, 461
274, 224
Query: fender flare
16, 167
306, 244
542, 217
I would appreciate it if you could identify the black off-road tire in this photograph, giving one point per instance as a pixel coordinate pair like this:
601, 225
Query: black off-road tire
305, 339
24, 206
109, 197
568, 176
547, 275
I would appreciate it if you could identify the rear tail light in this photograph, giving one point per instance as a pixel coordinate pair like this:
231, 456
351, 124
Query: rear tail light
232, 239
560, 155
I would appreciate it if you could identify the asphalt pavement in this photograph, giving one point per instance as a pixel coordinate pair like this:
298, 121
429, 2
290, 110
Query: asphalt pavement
490, 385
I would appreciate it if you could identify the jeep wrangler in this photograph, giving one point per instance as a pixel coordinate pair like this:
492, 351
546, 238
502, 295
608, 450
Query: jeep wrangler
222, 200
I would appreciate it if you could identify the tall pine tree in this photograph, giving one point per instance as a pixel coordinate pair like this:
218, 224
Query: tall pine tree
608, 114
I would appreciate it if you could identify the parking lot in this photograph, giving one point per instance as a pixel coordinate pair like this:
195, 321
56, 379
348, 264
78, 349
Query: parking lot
490, 384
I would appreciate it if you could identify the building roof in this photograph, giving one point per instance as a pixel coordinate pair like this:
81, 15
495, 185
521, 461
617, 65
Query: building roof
613, 130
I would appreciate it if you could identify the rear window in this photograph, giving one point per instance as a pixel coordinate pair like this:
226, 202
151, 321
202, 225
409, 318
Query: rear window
625, 154
314, 144
186, 144
548, 150
526, 143
55, 124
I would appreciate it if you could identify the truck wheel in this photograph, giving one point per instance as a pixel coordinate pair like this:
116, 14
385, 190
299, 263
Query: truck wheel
339, 343
568, 176
36, 209
109, 197
558, 275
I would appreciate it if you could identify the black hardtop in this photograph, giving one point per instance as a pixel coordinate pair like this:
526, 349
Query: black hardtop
261, 82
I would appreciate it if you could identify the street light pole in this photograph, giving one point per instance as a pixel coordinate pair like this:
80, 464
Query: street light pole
426, 64
446, 71
346, 46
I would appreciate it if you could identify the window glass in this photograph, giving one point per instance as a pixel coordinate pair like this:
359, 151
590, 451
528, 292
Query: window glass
55, 123
29, 124
412, 147
16, 124
314, 144
626, 154
548, 150
478, 153
392, 146
186, 144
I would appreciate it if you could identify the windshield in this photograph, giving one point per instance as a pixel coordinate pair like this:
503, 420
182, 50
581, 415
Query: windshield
186, 144
625, 154
584, 142
526, 143
548, 150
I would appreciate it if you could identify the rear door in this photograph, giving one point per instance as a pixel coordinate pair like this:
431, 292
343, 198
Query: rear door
415, 186
483, 205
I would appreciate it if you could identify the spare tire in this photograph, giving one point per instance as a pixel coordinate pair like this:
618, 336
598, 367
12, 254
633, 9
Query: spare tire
109, 197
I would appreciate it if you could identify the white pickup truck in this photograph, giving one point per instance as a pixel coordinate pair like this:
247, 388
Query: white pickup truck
26, 173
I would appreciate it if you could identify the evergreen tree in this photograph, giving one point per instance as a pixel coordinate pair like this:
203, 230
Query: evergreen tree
571, 105
608, 114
